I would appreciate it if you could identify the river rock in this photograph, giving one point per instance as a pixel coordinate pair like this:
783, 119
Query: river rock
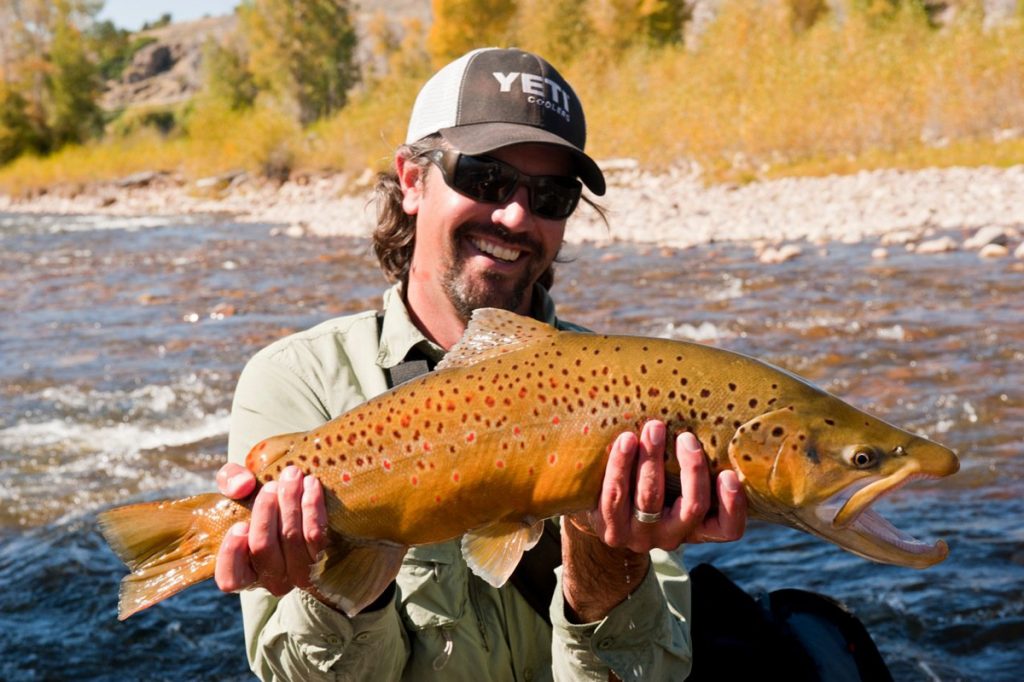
994, 251
993, 234
940, 245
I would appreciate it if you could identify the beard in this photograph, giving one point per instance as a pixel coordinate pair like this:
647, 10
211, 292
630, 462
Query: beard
490, 289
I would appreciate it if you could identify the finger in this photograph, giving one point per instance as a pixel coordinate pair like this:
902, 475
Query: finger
314, 516
650, 471
695, 491
264, 542
233, 572
235, 481
615, 505
731, 520
293, 539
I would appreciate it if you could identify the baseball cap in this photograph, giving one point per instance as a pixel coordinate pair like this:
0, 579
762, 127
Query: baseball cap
494, 97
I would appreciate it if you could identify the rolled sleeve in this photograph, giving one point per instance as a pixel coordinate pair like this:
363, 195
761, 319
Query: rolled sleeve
306, 640
646, 637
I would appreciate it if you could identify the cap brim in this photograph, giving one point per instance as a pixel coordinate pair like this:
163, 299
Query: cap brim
481, 138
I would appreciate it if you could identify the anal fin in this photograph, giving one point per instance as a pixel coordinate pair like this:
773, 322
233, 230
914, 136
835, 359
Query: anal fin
493, 551
352, 575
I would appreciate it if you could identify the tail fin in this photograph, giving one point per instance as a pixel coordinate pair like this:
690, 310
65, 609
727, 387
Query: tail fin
168, 545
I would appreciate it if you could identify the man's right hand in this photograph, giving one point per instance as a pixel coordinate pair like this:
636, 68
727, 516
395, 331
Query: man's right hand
288, 529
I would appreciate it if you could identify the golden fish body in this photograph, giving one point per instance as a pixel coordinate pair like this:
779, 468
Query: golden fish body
516, 426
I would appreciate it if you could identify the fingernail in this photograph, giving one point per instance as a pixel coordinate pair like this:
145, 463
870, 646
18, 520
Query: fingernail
270, 488
240, 529
731, 482
238, 480
690, 442
656, 432
309, 483
290, 473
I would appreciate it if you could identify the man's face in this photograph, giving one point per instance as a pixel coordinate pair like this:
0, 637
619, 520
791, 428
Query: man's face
480, 254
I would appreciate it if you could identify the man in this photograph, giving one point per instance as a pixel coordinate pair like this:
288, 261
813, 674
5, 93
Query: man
474, 215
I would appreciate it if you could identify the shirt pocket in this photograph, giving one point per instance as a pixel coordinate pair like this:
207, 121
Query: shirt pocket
432, 586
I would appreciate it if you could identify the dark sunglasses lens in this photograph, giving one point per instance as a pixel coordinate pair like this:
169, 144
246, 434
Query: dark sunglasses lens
554, 197
484, 179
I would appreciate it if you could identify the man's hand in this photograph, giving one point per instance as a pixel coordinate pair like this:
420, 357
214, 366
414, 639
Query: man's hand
287, 530
605, 550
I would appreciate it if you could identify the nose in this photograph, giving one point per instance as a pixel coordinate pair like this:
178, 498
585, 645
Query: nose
514, 213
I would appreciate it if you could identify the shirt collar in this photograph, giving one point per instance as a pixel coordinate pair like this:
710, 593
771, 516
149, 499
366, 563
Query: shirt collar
399, 335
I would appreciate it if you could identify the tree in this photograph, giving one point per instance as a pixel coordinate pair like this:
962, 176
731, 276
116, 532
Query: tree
461, 25
302, 52
73, 83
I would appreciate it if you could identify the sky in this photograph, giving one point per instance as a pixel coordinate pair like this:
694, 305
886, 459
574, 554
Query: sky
131, 14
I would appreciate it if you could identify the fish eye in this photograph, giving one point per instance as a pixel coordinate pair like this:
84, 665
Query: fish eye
863, 457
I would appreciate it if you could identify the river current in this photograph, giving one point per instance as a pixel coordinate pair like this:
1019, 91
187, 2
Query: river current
121, 341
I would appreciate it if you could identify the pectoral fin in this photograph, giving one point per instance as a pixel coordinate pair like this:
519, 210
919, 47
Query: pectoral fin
352, 574
493, 551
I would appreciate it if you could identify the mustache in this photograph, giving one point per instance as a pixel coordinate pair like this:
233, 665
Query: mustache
500, 233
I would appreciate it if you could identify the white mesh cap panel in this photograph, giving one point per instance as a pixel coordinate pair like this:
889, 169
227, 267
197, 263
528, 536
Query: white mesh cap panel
437, 105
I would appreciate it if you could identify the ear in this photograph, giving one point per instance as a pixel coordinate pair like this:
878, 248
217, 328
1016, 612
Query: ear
410, 178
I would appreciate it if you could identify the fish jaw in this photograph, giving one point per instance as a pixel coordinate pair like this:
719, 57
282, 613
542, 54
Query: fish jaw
867, 533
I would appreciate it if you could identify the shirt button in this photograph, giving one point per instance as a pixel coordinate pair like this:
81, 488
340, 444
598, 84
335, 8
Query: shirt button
362, 636
605, 643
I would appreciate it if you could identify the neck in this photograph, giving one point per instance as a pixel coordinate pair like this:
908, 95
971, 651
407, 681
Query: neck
436, 318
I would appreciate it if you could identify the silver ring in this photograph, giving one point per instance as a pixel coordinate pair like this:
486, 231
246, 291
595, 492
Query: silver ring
646, 517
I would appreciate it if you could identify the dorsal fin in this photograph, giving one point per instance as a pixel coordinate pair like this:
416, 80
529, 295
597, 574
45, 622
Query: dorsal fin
492, 332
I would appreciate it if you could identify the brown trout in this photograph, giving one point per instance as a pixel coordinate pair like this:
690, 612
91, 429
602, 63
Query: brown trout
516, 426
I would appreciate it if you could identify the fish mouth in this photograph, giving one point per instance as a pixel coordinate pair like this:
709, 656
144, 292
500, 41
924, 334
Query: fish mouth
853, 524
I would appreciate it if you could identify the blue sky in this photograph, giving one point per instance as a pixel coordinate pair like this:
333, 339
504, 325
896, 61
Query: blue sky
131, 14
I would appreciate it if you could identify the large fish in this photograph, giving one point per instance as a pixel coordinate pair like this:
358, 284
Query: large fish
515, 426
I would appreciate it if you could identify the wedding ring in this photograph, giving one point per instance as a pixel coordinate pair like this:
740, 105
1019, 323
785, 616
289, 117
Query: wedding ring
646, 517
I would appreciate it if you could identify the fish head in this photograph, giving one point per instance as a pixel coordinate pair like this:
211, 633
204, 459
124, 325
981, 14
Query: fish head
821, 467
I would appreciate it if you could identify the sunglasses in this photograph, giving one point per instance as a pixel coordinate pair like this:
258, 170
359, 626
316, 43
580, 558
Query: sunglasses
492, 181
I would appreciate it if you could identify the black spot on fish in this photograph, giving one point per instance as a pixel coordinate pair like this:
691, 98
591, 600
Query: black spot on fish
778, 432
830, 422
812, 454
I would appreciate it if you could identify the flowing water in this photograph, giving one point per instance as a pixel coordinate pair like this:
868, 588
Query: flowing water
121, 340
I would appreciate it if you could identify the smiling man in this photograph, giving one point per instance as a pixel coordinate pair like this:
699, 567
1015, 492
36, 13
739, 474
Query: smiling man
473, 215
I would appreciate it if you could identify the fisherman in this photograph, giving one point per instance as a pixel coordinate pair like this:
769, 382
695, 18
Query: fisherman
473, 215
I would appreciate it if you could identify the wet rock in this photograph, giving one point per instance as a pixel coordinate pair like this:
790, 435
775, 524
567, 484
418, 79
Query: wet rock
988, 235
880, 253
940, 245
772, 255
994, 251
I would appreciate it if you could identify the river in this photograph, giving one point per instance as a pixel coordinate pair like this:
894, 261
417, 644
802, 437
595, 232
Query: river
121, 340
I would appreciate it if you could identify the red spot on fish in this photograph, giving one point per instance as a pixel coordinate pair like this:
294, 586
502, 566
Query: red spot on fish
405, 420
531, 471
555, 421
455, 477
471, 436
346, 477
379, 429
415, 480
386, 463
552, 458
586, 429
327, 439
489, 400
579, 466
517, 431
500, 463
426, 446
437, 498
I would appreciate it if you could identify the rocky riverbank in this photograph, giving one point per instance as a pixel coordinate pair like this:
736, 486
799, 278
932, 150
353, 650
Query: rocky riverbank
915, 210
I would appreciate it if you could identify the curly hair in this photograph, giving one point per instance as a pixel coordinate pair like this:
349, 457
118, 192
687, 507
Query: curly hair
394, 238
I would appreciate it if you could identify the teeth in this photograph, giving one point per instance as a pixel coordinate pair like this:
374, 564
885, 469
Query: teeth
499, 252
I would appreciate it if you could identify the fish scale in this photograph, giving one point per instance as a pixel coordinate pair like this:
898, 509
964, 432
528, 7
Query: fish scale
516, 425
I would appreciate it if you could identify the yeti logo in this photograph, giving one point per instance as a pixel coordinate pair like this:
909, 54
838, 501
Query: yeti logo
539, 90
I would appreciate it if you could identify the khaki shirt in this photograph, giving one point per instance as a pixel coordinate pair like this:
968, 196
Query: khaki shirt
444, 622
